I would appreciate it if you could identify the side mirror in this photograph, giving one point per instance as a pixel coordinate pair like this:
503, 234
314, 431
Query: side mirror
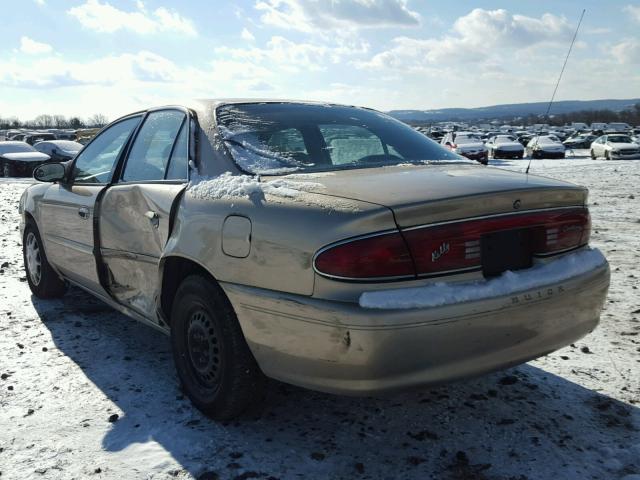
49, 172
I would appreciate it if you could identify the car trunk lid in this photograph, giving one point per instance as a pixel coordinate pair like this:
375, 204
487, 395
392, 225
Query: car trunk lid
426, 194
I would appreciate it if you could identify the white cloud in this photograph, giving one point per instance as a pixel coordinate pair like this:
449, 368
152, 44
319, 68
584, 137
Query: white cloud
103, 17
474, 37
247, 35
31, 47
294, 57
627, 52
319, 15
40, 2
633, 11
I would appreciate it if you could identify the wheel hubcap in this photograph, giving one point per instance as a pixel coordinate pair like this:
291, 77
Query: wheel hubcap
203, 348
34, 261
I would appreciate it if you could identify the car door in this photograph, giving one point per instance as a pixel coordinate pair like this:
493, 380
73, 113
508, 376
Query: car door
135, 212
66, 210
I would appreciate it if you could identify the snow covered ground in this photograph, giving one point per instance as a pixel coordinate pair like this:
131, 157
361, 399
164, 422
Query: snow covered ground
88, 393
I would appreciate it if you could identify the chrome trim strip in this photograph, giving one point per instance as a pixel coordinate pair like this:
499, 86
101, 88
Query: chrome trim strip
483, 217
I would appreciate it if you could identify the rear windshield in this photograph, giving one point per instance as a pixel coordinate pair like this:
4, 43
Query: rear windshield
468, 139
276, 138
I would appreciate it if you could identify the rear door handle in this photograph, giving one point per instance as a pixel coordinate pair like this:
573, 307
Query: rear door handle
84, 212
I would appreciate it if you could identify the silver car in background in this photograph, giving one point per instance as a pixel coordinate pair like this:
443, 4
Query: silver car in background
327, 246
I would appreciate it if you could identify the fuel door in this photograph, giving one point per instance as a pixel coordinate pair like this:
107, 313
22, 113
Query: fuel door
236, 236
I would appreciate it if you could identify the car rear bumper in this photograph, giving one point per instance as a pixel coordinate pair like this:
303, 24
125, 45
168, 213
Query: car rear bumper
508, 153
341, 347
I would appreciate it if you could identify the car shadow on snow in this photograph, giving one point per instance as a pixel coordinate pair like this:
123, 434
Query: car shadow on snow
521, 424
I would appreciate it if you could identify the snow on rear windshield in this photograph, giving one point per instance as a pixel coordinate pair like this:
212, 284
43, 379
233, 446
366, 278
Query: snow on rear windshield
277, 138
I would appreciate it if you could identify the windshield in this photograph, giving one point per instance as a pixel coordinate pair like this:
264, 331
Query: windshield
276, 138
619, 139
67, 145
505, 139
15, 147
461, 139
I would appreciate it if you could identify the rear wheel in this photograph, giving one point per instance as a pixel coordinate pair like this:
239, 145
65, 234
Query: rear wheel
607, 155
217, 370
593, 154
43, 281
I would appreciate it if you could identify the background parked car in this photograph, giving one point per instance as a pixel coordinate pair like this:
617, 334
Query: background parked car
467, 144
545, 146
579, 141
19, 159
34, 137
59, 150
504, 146
615, 147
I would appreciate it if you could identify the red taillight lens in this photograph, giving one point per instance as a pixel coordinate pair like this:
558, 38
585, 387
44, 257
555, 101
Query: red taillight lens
450, 247
368, 258
456, 246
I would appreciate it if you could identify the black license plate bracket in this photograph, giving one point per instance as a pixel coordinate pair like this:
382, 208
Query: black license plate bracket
505, 250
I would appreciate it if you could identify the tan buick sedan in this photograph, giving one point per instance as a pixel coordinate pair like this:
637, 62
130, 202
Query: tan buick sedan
326, 246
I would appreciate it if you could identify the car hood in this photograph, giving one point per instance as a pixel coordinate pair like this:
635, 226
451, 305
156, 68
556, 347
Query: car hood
471, 146
431, 193
26, 156
509, 145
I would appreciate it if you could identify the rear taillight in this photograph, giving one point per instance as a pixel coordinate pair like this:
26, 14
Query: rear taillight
380, 256
449, 247
456, 246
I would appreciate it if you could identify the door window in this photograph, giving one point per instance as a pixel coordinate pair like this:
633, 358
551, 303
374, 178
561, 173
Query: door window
179, 161
95, 163
151, 150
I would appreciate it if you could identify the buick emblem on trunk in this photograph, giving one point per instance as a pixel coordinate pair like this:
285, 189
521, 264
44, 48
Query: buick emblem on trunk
441, 250
516, 205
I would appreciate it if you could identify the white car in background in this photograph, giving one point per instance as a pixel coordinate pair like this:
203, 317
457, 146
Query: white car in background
615, 147
19, 159
467, 144
545, 146
504, 146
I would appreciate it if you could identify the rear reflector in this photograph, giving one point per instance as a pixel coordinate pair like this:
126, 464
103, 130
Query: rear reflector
449, 247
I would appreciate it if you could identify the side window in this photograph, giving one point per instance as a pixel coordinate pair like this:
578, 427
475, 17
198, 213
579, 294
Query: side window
350, 143
149, 155
179, 158
96, 161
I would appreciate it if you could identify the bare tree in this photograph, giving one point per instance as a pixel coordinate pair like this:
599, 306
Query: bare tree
97, 120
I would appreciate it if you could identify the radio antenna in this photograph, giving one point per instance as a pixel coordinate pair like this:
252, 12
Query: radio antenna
555, 90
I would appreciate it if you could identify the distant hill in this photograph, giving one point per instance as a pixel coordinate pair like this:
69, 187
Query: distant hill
511, 110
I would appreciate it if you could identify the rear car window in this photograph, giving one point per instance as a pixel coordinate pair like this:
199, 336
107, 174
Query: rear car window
277, 138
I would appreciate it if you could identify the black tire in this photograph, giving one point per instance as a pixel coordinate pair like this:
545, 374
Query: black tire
43, 281
607, 156
593, 154
216, 368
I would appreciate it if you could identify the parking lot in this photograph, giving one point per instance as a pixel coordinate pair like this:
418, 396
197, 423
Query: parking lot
89, 393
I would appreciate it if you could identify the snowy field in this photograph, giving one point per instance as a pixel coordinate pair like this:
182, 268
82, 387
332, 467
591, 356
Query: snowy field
88, 393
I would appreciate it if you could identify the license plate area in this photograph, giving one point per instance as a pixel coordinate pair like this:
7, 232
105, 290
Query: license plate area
505, 250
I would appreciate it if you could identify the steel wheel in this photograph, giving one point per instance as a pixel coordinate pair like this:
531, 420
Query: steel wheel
34, 260
204, 348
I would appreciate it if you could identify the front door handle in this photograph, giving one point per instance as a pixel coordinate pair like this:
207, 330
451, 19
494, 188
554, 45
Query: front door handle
83, 212
153, 217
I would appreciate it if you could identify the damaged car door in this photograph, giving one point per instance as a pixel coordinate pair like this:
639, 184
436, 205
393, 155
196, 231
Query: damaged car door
68, 209
135, 212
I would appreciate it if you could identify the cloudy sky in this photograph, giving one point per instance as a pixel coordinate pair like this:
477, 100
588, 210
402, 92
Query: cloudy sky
79, 57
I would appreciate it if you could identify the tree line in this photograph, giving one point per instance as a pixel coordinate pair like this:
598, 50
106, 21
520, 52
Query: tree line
54, 121
630, 116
